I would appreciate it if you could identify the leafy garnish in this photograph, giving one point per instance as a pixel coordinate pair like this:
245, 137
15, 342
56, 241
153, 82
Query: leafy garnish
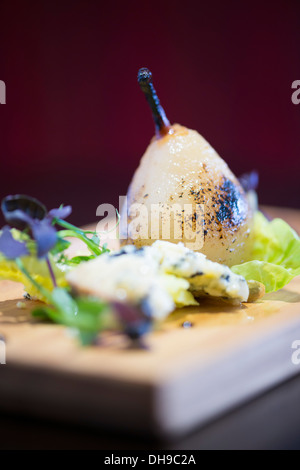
33, 252
87, 315
38, 269
275, 259
74, 232
79, 259
61, 245
27, 213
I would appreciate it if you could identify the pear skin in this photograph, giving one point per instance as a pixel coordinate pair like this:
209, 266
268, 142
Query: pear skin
178, 169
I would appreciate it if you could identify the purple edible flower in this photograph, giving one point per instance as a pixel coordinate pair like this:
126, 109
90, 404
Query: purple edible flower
10, 247
61, 213
44, 234
249, 181
24, 212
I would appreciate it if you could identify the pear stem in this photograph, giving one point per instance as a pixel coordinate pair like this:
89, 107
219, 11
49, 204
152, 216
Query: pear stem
162, 124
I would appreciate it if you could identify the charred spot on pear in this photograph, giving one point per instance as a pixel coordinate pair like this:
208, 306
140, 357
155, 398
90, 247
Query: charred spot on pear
180, 169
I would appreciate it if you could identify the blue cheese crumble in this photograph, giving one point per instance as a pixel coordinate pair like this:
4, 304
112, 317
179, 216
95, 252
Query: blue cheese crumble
203, 275
163, 275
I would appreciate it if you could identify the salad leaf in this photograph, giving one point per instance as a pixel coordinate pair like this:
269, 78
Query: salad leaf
87, 315
9, 270
275, 259
79, 259
61, 245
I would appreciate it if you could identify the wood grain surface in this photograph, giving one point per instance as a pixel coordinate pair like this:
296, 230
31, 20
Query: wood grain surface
184, 377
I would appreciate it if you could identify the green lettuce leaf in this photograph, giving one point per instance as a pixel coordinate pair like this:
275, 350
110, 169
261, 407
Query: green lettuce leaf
275, 259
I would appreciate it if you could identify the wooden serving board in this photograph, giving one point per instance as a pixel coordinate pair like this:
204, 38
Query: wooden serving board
186, 377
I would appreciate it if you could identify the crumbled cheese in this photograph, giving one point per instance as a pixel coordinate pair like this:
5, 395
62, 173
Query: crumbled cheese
203, 275
157, 278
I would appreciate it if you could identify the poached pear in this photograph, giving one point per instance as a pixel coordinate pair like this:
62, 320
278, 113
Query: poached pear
181, 170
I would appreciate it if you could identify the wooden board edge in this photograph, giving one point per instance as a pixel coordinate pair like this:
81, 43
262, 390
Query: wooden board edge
183, 405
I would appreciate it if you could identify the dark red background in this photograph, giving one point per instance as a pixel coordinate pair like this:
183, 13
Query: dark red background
76, 124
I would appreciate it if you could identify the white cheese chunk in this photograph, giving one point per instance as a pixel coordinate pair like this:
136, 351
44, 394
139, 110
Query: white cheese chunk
157, 278
204, 276
126, 276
